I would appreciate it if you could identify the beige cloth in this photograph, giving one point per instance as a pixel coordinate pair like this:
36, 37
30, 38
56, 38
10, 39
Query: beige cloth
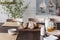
51, 37
6, 36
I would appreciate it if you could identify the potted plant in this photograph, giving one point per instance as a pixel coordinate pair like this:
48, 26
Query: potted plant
16, 10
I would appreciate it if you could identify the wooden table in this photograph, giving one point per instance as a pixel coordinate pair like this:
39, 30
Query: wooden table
24, 34
27, 34
10, 25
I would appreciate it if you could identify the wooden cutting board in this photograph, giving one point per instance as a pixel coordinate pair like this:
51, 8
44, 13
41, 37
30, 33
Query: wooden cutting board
11, 24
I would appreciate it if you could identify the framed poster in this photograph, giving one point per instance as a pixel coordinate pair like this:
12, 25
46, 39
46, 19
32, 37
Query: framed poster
43, 7
7, 1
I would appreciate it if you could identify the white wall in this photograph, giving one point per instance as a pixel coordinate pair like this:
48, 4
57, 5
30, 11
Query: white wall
3, 16
30, 12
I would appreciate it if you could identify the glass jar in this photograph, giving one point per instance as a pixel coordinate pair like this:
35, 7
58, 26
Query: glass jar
51, 26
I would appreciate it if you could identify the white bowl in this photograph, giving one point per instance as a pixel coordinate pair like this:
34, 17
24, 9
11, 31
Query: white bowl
12, 31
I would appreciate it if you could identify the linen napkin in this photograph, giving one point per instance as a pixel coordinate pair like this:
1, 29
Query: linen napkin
51, 37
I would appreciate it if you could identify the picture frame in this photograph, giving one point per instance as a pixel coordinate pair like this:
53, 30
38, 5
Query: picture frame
47, 11
7, 1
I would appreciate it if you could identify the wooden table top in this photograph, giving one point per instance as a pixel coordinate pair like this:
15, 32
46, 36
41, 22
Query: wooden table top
6, 36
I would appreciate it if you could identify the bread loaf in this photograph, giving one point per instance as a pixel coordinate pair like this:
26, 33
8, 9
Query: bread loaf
30, 25
40, 25
21, 27
25, 25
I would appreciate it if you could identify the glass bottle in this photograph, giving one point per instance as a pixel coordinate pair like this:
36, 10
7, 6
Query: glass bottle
51, 26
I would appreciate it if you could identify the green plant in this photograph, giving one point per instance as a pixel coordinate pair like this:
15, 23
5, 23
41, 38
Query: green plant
16, 10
